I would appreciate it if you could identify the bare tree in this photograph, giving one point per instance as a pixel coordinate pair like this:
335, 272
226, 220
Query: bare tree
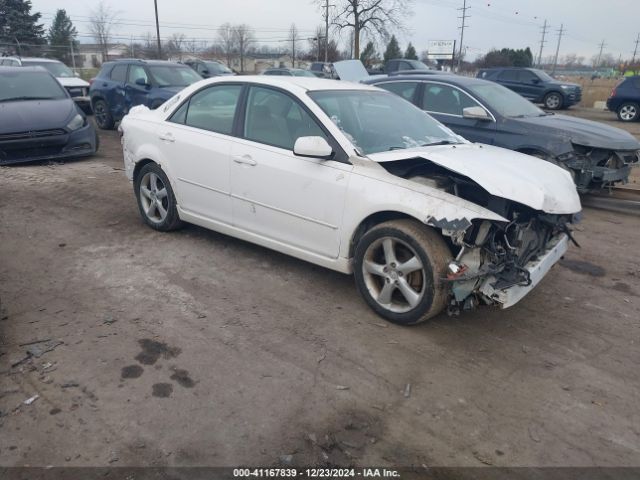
227, 41
372, 16
176, 45
243, 37
294, 38
102, 20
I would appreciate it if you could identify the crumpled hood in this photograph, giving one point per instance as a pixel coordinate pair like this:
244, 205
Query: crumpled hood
72, 82
503, 173
583, 132
27, 116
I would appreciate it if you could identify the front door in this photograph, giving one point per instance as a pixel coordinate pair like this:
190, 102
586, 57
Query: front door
446, 104
277, 195
197, 141
136, 94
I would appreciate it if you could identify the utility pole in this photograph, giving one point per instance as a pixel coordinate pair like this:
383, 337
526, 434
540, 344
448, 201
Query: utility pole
19, 47
462, 27
73, 56
561, 32
542, 42
602, 45
635, 52
326, 31
155, 2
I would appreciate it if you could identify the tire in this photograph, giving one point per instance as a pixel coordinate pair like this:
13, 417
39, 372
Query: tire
379, 274
102, 115
628, 112
553, 101
156, 200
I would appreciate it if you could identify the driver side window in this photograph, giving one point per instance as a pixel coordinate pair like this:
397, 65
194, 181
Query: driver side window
440, 98
276, 119
137, 72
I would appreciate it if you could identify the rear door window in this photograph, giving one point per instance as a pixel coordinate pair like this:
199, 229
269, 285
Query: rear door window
119, 73
508, 76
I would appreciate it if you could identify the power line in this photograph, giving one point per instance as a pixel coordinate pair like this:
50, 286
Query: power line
555, 60
462, 27
542, 42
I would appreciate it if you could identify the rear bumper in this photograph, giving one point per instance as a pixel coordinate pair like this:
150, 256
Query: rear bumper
81, 143
537, 270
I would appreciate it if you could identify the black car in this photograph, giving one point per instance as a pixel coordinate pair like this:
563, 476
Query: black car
39, 120
625, 99
209, 68
535, 85
597, 155
126, 83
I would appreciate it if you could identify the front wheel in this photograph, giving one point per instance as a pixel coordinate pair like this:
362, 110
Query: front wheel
102, 115
156, 200
553, 101
398, 268
629, 112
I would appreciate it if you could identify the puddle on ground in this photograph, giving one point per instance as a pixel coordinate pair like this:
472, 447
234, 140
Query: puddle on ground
131, 371
152, 351
583, 268
162, 390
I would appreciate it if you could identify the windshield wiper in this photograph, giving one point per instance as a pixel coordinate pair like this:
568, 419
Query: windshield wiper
14, 99
441, 142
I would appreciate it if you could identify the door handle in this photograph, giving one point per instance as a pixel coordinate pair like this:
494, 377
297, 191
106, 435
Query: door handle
167, 137
245, 160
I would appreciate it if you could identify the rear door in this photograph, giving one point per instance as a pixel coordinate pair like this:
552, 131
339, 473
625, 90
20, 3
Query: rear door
509, 78
447, 102
197, 143
113, 90
277, 195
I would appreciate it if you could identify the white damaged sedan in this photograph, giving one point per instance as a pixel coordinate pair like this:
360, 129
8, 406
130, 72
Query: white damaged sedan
355, 179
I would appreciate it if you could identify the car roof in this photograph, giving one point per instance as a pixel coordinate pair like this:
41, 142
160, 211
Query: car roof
293, 84
146, 62
38, 59
446, 78
37, 69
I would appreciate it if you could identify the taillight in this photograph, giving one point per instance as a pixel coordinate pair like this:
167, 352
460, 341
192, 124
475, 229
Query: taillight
613, 93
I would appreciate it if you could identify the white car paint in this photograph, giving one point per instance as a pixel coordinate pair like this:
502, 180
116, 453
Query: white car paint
311, 208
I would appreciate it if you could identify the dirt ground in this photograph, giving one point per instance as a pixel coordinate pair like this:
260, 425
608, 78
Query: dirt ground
193, 348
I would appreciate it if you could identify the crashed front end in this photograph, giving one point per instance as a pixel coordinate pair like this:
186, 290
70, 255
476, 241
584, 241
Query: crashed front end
498, 263
597, 168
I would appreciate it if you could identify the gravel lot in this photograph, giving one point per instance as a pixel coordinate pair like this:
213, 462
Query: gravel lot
193, 348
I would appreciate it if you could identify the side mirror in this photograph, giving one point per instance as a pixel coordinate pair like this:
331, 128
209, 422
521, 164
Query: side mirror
535, 81
315, 147
476, 113
142, 82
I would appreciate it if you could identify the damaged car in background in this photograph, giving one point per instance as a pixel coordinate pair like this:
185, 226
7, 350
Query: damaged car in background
353, 178
597, 156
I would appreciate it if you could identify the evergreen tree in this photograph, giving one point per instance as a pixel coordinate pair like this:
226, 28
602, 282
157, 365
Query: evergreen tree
410, 53
62, 34
20, 31
393, 50
369, 55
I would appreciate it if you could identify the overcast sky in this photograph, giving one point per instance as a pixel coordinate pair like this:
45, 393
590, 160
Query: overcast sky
493, 23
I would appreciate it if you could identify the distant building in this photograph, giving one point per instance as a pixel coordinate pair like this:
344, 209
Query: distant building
91, 55
258, 62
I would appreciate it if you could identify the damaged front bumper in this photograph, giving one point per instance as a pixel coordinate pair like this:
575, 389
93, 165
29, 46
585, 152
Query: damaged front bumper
537, 269
597, 168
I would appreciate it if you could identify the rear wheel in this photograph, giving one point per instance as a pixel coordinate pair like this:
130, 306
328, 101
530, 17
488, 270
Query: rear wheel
553, 101
398, 267
629, 112
103, 116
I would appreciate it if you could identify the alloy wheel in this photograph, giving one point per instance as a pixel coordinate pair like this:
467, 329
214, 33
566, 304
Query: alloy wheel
394, 274
628, 112
154, 197
553, 101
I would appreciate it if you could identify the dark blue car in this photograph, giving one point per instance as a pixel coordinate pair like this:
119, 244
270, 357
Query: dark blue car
625, 99
535, 85
597, 155
123, 84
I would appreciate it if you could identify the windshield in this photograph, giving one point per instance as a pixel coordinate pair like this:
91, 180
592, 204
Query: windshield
215, 67
380, 121
57, 69
172, 76
29, 86
506, 102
